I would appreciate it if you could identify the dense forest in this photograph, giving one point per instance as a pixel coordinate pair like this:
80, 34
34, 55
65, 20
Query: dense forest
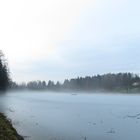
124, 82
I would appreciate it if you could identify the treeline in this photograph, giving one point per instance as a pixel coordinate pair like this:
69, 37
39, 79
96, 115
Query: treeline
107, 82
126, 82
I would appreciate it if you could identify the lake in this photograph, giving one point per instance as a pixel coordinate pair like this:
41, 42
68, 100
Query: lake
72, 116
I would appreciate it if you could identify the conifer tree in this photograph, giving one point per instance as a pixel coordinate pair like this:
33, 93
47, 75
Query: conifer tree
4, 72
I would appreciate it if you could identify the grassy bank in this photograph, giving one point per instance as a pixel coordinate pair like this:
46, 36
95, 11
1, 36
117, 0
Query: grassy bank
7, 132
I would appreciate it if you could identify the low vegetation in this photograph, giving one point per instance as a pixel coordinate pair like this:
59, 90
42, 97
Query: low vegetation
7, 132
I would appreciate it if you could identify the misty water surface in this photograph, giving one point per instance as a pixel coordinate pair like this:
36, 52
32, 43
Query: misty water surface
66, 116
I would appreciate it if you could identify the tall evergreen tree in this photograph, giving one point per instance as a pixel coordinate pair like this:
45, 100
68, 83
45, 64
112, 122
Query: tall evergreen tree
4, 72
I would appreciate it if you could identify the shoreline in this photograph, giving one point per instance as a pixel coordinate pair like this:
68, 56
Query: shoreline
7, 131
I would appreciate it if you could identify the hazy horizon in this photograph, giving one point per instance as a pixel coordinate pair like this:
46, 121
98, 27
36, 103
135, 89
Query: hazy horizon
65, 39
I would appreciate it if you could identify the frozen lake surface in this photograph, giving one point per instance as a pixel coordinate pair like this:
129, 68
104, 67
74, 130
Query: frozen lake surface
59, 116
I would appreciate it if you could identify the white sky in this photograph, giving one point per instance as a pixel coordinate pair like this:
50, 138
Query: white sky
58, 39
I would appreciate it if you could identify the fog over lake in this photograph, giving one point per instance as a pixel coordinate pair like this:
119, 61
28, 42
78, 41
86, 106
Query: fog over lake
71, 116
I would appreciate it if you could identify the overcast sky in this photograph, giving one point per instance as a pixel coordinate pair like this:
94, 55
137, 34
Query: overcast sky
58, 39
